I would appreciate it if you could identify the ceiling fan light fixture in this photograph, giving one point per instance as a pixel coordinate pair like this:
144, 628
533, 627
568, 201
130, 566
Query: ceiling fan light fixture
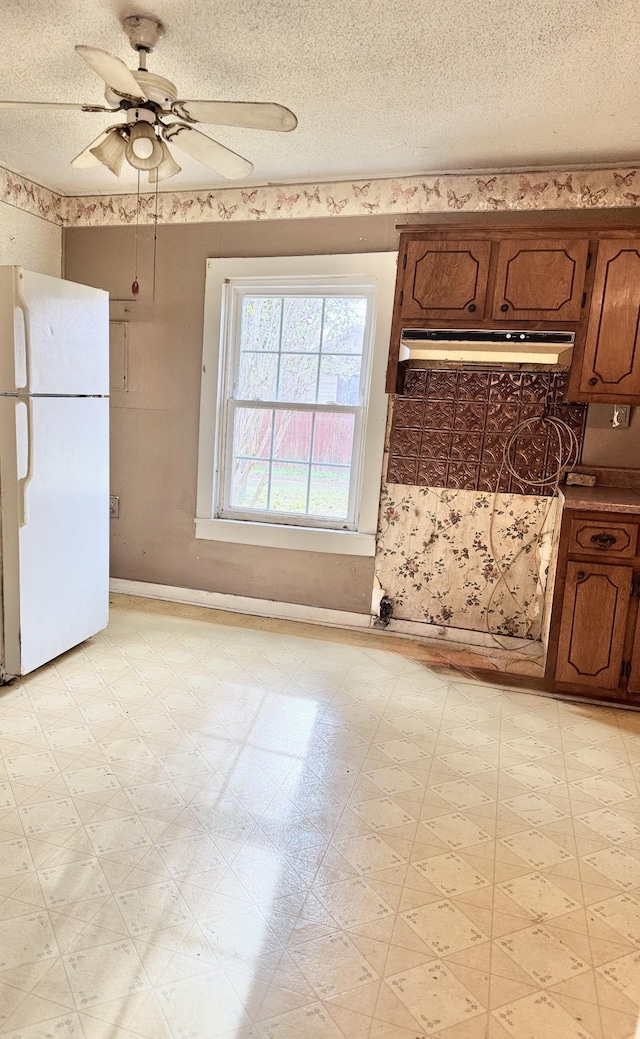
111, 151
143, 151
167, 168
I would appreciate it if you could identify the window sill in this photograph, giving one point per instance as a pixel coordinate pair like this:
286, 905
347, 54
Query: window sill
272, 535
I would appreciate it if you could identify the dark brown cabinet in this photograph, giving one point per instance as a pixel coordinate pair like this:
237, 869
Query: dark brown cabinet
610, 368
539, 280
594, 646
445, 280
488, 277
593, 624
584, 280
634, 656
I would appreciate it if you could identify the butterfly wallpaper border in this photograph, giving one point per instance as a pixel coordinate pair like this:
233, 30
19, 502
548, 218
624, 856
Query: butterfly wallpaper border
587, 189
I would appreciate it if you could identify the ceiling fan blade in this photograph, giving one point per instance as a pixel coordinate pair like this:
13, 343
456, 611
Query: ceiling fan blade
218, 158
253, 114
85, 160
113, 71
55, 104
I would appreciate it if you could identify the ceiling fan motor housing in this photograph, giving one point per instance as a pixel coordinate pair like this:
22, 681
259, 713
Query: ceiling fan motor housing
160, 91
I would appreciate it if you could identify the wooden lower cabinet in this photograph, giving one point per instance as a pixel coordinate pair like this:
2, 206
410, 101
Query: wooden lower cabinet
594, 646
593, 625
633, 687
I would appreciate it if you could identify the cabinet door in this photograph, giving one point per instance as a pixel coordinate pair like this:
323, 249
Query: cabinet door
540, 280
612, 348
634, 673
446, 280
592, 629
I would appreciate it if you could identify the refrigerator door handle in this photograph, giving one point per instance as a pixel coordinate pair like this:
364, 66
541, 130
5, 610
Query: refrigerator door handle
23, 346
24, 481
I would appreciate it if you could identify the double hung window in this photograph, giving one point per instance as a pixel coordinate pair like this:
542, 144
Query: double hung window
299, 404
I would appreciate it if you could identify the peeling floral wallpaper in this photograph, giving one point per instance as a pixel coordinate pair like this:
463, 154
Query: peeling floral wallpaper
466, 559
450, 193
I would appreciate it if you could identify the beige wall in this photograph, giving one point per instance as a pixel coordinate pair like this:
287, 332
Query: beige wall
154, 425
29, 241
604, 445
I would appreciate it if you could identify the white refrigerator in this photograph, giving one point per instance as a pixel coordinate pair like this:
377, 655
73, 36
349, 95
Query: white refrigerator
54, 467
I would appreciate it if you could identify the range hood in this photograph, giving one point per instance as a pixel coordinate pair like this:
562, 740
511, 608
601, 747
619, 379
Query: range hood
483, 347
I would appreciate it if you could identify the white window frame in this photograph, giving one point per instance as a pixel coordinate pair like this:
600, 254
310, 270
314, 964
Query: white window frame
370, 274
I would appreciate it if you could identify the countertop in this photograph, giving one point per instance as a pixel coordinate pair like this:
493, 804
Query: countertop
602, 499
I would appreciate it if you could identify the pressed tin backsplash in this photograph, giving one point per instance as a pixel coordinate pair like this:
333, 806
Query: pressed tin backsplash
450, 428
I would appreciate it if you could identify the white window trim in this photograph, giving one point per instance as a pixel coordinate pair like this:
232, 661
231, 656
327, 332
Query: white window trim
360, 542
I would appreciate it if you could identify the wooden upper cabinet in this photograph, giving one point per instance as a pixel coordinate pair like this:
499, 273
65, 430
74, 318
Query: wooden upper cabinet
611, 364
592, 629
445, 280
540, 279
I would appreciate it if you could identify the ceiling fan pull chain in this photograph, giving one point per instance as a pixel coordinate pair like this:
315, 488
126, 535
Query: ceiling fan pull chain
135, 288
155, 244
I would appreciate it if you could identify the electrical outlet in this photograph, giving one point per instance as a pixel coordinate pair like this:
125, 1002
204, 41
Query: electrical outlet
114, 506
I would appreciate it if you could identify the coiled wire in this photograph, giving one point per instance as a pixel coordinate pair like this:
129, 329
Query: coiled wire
566, 459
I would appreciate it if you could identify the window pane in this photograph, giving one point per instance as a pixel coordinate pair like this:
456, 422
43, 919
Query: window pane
339, 379
257, 376
292, 436
344, 322
252, 432
249, 484
301, 323
260, 323
333, 438
288, 487
329, 494
298, 377
297, 351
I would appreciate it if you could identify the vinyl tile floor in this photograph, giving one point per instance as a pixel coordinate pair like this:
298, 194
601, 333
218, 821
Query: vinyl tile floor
224, 828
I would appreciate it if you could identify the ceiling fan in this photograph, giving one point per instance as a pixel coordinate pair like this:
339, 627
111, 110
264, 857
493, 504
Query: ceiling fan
155, 116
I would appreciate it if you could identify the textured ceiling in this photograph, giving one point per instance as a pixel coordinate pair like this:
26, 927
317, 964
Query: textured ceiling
380, 89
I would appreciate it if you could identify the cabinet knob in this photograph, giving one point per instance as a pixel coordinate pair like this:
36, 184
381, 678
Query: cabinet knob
472, 307
505, 306
581, 575
593, 381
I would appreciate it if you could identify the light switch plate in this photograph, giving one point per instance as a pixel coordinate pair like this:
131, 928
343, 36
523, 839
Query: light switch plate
114, 506
620, 416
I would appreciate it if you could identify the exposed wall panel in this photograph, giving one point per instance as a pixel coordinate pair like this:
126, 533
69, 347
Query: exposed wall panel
30, 241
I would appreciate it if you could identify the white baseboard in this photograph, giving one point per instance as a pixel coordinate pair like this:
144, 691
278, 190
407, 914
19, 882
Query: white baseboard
289, 611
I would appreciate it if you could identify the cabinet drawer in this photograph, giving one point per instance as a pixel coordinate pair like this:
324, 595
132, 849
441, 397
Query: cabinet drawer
599, 539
